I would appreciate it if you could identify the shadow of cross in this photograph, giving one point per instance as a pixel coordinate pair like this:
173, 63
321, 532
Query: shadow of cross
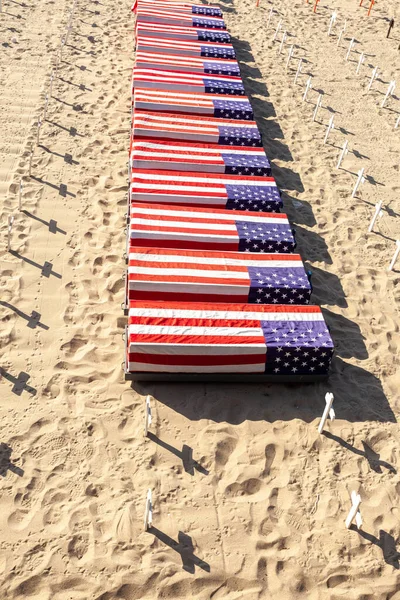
52, 224
46, 269
5, 462
185, 455
33, 319
385, 542
20, 382
184, 547
372, 457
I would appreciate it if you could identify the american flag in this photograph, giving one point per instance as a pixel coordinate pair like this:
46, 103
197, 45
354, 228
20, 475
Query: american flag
179, 48
187, 82
177, 337
192, 34
195, 129
179, 7
205, 190
165, 62
169, 17
208, 158
219, 106
164, 226
211, 276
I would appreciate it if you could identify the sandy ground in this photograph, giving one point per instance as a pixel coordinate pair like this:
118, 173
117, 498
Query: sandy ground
250, 501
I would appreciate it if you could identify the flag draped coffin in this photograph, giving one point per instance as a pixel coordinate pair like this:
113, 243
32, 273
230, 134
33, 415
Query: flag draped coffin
187, 82
181, 48
180, 7
190, 156
226, 132
169, 17
193, 34
207, 276
177, 337
182, 64
219, 106
205, 190
163, 226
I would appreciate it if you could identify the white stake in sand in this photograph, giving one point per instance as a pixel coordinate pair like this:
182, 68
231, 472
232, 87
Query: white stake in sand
395, 256
378, 213
350, 48
340, 37
46, 104
39, 125
331, 126
283, 40
317, 107
68, 30
328, 411
390, 90
360, 62
290, 54
396, 125
10, 224
308, 87
332, 22
270, 17
298, 70
51, 83
148, 512
354, 512
147, 416
277, 30
360, 180
373, 77
342, 154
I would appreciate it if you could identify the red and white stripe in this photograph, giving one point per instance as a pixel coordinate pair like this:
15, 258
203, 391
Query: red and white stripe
147, 60
191, 82
171, 31
171, 5
157, 100
180, 156
197, 189
169, 17
176, 47
175, 337
192, 228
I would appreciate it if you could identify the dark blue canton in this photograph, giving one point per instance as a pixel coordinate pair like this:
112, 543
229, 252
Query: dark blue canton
218, 37
221, 68
207, 10
295, 348
216, 52
253, 197
265, 237
208, 23
220, 86
231, 109
246, 164
229, 135
279, 285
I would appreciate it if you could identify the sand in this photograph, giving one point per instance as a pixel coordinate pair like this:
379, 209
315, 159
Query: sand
249, 500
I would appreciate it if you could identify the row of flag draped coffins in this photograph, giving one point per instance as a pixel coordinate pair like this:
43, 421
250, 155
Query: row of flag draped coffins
205, 227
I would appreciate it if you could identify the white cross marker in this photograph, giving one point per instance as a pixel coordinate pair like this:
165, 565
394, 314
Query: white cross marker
38, 132
378, 213
290, 54
396, 126
395, 255
283, 40
46, 104
332, 22
10, 224
317, 107
330, 127
277, 30
308, 87
298, 70
354, 512
373, 77
147, 416
360, 62
328, 411
360, 180
340, 37
148, 512
342, 154
270, 16
51, 83
390, 90
350, 48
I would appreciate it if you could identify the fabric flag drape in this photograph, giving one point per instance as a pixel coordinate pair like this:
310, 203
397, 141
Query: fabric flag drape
187, 82
157, 225
180, 7
181, 48
205, 190
177, 337
183, 33
165, 62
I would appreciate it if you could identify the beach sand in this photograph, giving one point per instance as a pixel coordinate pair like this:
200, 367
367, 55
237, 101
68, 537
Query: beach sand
249, 500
